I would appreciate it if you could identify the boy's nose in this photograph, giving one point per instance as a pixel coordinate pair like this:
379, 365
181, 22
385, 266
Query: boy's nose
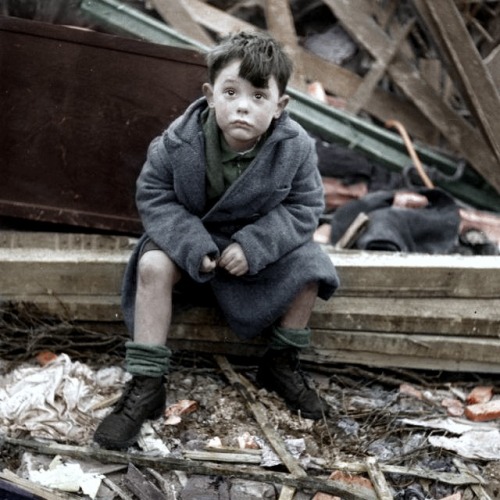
242, 105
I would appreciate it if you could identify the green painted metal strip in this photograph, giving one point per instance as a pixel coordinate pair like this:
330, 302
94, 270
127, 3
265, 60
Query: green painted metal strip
379, 144
131, 21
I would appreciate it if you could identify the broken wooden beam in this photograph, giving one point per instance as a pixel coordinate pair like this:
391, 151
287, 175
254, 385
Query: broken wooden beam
378, 479
473, 77
460, 134
140, 486
358, 101
176, 15
279, 20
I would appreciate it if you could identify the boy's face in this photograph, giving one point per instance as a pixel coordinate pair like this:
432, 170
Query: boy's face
243, 112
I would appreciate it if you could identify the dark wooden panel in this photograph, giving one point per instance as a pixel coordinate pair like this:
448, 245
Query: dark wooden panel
77, 112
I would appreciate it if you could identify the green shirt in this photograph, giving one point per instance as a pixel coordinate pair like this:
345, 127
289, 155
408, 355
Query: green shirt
224, 165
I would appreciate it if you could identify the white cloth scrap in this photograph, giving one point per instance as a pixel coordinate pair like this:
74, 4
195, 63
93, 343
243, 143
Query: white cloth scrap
56, 401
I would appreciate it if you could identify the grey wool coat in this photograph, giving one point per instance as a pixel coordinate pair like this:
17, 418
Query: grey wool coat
271, 210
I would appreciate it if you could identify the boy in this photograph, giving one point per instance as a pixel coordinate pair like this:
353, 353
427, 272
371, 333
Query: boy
229, 196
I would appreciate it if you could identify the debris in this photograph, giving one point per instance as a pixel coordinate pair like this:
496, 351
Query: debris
378, 479
36, 490
482, 412
194, 467
476, 440
151, 443
45, 357
141, 486
232, 456
464, 478
53, 401
337, 475
454, 407
480, 394
247, 441
410, 390
245, 389
174, 412
67, 477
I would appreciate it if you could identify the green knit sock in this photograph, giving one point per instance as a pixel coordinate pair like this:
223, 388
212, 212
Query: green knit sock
283, 338
147, 360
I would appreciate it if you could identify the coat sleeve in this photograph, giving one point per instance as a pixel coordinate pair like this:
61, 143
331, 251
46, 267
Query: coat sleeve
177, 231
293, 220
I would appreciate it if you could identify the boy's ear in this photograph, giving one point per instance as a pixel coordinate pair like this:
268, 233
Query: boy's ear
208, 92
282, 104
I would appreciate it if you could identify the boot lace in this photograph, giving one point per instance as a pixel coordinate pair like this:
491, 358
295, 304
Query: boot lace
128, 400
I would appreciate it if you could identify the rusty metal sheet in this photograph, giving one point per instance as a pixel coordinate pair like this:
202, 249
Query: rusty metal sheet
77, 112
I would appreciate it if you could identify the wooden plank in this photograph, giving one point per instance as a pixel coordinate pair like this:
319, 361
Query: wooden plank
465, 317
64, 241
475, 80
431, 70
449, 319
361, 273
141, 486
279, 21
492, 62
400, 360
175, 14
382, 105
461, 136
416, 275
377, 71
436, 347
32, 271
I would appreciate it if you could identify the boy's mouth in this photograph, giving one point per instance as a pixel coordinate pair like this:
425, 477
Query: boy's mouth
241, 123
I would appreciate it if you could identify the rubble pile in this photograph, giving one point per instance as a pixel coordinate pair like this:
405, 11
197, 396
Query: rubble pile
429, 433
390, 433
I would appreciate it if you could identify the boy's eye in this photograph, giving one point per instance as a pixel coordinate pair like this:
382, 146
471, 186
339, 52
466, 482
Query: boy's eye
230, 91
259, 96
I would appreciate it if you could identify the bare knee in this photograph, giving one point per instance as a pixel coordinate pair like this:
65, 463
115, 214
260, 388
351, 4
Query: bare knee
157, 269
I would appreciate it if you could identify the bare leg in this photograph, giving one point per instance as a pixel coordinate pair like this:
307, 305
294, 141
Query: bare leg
156, 276
147, 357
300, 309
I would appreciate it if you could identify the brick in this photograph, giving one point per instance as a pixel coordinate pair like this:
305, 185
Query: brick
482, 412
480, 394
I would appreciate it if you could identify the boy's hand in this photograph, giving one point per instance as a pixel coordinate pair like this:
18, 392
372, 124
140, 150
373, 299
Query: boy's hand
233, 260
207, 264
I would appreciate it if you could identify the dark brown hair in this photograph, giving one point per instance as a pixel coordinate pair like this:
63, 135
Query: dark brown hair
261, 58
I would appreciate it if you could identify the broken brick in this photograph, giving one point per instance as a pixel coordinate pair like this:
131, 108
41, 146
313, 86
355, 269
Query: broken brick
480, 394
482, 412
453, 406
409, 390
345, 478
